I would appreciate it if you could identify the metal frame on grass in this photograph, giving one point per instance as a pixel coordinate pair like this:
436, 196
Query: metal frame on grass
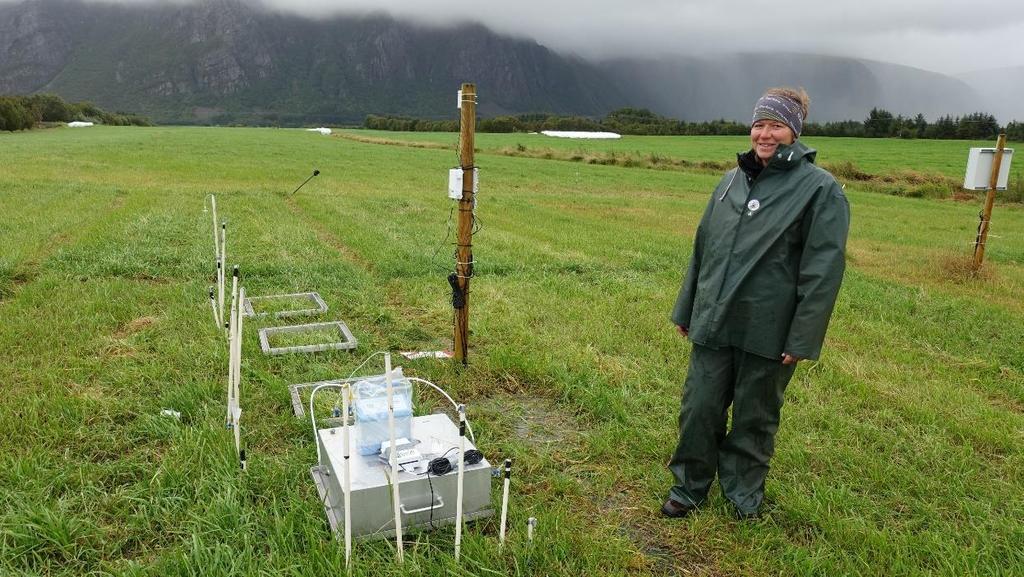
347, 340
321, 306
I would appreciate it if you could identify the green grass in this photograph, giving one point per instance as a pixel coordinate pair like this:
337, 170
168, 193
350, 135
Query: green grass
899, 453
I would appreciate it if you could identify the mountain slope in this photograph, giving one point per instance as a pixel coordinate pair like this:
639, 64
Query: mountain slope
225, 58
226, 61
1001, 89
840, 88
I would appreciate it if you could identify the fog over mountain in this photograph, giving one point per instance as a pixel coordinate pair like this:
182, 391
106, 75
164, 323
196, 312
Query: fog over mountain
229, 60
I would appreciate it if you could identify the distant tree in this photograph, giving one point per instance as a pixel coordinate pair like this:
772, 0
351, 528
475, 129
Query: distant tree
920, 126
1015, 131
943, 128
500, 124
977, 126
14, 115
879, 123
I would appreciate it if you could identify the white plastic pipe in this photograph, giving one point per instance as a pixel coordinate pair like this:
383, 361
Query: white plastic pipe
216, 240
346, 392
223, 264
219, 313
238, 347
462, 468
237, 416
234, 295
504, 502
213, 306
530, 524
400, 553
231, 371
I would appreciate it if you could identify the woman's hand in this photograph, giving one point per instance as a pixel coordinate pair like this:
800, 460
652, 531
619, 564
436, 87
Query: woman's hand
788, 359
683, 330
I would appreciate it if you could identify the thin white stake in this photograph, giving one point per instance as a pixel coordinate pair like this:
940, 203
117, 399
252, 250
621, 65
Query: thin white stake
222, 264
216, 241
530, 524
213, 306
232, 329
504, 502
462, 468
400, 553
346, 392
234, 293
238, 346
218, 314
238, 433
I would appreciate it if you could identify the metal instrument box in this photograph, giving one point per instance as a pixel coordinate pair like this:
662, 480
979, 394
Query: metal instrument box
427, 500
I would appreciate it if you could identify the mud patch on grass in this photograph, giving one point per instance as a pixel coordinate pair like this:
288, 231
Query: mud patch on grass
135, 326
669, 546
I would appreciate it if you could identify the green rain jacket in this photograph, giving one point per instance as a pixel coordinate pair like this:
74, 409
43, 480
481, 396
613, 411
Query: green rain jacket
768, 259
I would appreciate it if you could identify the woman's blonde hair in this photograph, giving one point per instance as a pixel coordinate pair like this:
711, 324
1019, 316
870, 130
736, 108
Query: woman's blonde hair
798, 95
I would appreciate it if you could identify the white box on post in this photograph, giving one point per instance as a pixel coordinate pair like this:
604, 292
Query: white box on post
455, 183
979, 168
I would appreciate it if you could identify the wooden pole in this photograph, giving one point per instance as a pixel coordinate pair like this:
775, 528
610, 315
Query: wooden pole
990, 198
464, 258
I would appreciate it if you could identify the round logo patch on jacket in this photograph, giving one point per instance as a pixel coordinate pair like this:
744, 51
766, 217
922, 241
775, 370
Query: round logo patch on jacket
753, 205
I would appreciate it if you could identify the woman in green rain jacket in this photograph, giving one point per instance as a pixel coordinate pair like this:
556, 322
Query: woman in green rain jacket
767, 263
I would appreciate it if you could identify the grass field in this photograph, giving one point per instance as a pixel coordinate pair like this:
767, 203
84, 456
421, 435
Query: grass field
899, 452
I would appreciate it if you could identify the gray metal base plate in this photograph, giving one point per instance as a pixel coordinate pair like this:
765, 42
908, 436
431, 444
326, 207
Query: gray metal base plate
346, 340
319, 306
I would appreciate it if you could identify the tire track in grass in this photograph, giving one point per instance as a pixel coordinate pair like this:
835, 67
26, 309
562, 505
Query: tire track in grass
329, 238
30, 267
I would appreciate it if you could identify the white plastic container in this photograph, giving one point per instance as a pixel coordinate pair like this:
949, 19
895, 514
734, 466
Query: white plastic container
371, 410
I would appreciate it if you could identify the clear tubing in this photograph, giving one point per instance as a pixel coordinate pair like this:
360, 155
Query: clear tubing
462, 468
312, 415
347, 393
352, 374
455, 405
400, 554
504, 502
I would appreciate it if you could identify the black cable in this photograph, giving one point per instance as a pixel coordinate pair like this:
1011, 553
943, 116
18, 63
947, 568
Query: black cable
431, 485
439, 466
473, 457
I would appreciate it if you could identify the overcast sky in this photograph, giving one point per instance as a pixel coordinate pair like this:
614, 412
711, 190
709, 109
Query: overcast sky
948, 36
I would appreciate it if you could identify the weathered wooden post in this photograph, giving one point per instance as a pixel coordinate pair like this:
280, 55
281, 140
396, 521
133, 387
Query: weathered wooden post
464, 253
990, 198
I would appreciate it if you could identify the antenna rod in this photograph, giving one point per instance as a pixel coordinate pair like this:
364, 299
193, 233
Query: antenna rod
315, 173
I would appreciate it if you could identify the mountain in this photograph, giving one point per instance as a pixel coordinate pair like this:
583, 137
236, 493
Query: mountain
224, 61
1001, 90
840, 88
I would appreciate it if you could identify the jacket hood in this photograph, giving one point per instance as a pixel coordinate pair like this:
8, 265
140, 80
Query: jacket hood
788, 156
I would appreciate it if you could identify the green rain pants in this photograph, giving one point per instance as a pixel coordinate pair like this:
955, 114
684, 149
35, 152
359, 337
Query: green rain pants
754, 386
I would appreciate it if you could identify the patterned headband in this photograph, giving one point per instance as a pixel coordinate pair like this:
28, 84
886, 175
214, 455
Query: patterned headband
780, 108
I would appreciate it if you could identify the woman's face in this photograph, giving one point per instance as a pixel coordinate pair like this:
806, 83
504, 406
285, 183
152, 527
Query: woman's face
766, 136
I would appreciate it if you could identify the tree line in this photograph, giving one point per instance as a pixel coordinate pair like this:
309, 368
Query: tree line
25, 112
880, 123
